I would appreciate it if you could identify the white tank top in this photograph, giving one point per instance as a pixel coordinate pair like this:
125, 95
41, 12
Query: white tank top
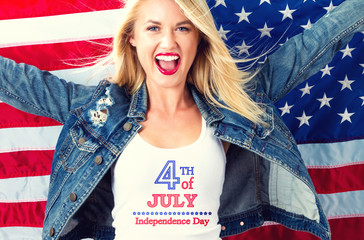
169, 194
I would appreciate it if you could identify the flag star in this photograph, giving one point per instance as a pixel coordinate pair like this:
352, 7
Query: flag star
286, 109
223, 33
326, 71
263, 1
244, 48
306, 89
265, 31
362, 65
287, 13
347, 51
243, 15
304, 119
346, 83
362, 98
345, 116
308, 25
330, 7
325, 101
220, 2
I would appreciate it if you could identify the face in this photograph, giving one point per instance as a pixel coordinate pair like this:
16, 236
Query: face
166, 42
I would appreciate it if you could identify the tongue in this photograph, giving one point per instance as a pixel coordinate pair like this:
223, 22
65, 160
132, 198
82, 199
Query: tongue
168, 65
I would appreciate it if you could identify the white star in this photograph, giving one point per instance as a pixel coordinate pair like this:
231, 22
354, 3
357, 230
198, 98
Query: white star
325, 101
243, 15
220, 2
223, 33
346, 83
262, 1
304, 119
265, 31
306, 89
244, 48
326, 71
308, 25
362, 98
347, 51
345, 116
287, 13
330, 7
286, 109
362, 65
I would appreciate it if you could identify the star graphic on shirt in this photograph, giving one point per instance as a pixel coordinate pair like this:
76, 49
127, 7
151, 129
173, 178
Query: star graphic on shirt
223, 33
345, 116
287, 13
304, 119
330, 7
347, 51
265, 31
346, 83
220, 2
306, 89
362, 65
243, 15
325, 101
244, 48
308, 25
286, 109
326, 71
263, 1
362, 98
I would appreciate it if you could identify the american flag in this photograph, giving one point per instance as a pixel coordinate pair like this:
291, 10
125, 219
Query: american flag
324, 113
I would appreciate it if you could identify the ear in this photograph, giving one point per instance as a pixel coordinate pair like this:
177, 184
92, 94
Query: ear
132, 41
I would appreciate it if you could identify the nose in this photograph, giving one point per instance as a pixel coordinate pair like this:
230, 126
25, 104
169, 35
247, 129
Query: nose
168, 40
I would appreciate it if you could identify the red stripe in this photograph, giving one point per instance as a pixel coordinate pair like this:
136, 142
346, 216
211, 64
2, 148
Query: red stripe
25, 163
25, 214
39, 8
341, 229
12, 117
341, 179
58, 56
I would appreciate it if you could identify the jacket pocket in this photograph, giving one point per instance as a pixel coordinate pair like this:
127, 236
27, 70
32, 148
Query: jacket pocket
77, 148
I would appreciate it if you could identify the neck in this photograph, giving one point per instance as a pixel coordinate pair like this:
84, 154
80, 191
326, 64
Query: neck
169, 100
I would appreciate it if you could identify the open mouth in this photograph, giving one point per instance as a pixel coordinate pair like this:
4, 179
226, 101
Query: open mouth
167, 64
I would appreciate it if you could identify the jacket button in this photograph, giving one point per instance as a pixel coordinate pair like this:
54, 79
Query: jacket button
127, 126
73, 197
81, 140
51, 232
242, 223
223, 228
98, 160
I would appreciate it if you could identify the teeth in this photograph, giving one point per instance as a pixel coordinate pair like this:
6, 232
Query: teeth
167, 58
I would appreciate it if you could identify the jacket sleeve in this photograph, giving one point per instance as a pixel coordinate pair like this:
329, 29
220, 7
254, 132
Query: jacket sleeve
39, 92
306, 53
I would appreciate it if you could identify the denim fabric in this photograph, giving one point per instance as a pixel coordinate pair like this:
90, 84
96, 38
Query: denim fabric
265, 179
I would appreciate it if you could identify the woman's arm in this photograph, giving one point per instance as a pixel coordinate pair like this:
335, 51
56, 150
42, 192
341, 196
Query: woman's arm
39, 92
308, 52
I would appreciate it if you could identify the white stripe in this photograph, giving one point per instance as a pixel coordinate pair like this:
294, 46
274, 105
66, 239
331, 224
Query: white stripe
60, 28
345, 204
333, 154
90, 76
29, 138
24, 189
20, 233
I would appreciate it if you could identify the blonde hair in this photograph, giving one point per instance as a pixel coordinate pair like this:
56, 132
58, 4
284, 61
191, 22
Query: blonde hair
214, 72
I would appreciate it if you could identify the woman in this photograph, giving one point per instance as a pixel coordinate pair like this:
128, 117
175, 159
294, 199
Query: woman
145, 156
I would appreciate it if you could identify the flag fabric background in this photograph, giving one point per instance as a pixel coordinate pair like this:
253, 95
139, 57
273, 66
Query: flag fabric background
325, 113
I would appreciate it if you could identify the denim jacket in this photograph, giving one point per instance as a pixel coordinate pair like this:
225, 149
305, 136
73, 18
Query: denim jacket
265, 179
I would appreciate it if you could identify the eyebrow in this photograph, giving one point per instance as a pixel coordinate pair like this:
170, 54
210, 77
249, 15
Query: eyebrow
178, 24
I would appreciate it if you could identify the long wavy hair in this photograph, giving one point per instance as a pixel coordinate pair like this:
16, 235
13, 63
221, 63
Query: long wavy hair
214, 72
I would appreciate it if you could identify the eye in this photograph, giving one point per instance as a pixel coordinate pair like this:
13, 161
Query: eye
153, 28
183, 29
